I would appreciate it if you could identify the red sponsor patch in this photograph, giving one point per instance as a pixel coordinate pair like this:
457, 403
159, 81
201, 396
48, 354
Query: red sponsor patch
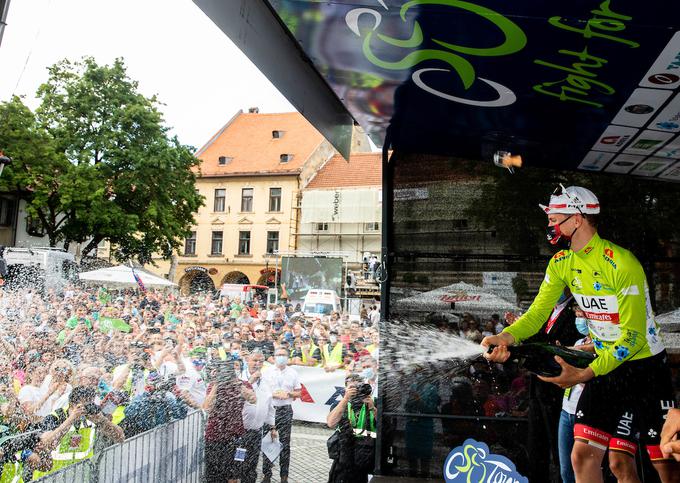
588, 250
609, 252
655, 453
619, 444
613, 318
559, 254
591, 434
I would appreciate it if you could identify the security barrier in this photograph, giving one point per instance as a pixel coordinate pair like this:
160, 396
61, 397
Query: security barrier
173, 452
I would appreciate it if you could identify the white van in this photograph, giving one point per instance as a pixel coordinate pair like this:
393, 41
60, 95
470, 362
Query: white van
318, 303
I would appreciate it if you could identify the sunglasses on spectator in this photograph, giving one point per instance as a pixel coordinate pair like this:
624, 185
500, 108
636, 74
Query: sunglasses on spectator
259, 330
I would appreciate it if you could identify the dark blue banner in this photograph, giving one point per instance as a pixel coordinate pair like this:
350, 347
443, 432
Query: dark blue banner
569, 84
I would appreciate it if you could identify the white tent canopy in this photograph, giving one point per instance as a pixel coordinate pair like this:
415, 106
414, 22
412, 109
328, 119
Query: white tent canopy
467, 298
121, 276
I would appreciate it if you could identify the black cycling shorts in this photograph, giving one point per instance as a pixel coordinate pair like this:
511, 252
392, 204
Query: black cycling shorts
627, 406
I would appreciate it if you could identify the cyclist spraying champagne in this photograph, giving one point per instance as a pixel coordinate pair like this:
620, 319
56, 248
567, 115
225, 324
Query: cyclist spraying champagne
610, 286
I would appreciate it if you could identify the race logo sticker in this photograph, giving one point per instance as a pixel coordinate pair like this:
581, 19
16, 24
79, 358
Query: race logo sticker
665, 71
641, 106
648, 141
595, 161
472, 461
669, 117
614, 138
623, 163
652, 166
673, 173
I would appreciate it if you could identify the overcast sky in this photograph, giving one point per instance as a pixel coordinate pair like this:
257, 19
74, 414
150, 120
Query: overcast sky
169, 46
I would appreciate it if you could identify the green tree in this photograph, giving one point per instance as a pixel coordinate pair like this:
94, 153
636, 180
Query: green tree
38, 171
129, 182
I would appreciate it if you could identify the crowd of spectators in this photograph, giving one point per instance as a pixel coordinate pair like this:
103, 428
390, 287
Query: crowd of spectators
88, 361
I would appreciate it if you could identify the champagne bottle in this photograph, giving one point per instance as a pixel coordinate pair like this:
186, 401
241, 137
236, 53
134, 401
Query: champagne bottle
539, 357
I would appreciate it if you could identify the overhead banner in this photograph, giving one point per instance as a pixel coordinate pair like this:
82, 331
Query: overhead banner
578, 84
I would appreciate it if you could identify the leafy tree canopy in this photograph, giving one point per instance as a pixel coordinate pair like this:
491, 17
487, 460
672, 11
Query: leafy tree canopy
96, 163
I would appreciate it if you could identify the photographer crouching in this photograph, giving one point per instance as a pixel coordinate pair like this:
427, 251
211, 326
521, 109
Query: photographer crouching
352, 446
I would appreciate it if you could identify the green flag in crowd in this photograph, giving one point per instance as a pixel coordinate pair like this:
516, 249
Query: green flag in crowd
107, 324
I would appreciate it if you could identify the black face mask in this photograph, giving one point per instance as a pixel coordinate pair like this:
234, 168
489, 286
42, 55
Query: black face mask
556, 237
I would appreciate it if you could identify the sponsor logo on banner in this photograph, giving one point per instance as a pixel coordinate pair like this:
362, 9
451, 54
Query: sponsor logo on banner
614, 138
460, 298
652, 166
624, 163
673, 173
648, 141
603, 308
640, 107
473, 462
665, 70
595, 161
407, 194
663, 79
669, 117
460, 64
670, 150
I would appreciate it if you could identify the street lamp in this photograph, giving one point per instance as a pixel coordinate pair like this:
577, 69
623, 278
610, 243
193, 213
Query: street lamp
4, 161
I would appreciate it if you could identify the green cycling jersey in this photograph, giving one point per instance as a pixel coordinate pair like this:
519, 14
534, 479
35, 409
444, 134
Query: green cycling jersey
610, 286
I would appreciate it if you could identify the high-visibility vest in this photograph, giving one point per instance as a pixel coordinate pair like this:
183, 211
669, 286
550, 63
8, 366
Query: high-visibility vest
335, 356
11, 471
222, 353
75, 446
359, 426
119, 413
312, 348
371, 348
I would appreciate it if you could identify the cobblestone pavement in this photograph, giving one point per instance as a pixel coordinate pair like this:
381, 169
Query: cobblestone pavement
309, 461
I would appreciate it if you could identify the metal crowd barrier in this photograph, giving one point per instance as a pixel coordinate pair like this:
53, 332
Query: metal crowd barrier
173, 452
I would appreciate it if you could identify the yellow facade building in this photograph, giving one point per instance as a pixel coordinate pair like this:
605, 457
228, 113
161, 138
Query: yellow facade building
251, 175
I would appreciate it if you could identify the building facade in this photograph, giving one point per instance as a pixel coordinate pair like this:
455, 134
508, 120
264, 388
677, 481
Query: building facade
341, 209
251, 176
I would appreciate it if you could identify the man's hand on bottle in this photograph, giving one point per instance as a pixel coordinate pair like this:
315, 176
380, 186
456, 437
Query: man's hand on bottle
500, 353
570, 375
670, 435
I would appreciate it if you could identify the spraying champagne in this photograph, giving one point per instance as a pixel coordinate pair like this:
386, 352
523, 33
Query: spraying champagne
539, 357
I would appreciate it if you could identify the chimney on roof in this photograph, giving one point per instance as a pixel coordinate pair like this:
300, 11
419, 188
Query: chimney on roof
254, 110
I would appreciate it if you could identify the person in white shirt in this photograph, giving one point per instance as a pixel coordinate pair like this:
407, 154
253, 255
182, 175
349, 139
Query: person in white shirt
286, 387
255, 416
374, 316
54, 391
35, 388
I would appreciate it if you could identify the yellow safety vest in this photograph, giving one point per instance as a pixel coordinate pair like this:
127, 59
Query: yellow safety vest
76, 445
335, 356
312, 348
371, 348
119, 413
222, 353
11, 472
